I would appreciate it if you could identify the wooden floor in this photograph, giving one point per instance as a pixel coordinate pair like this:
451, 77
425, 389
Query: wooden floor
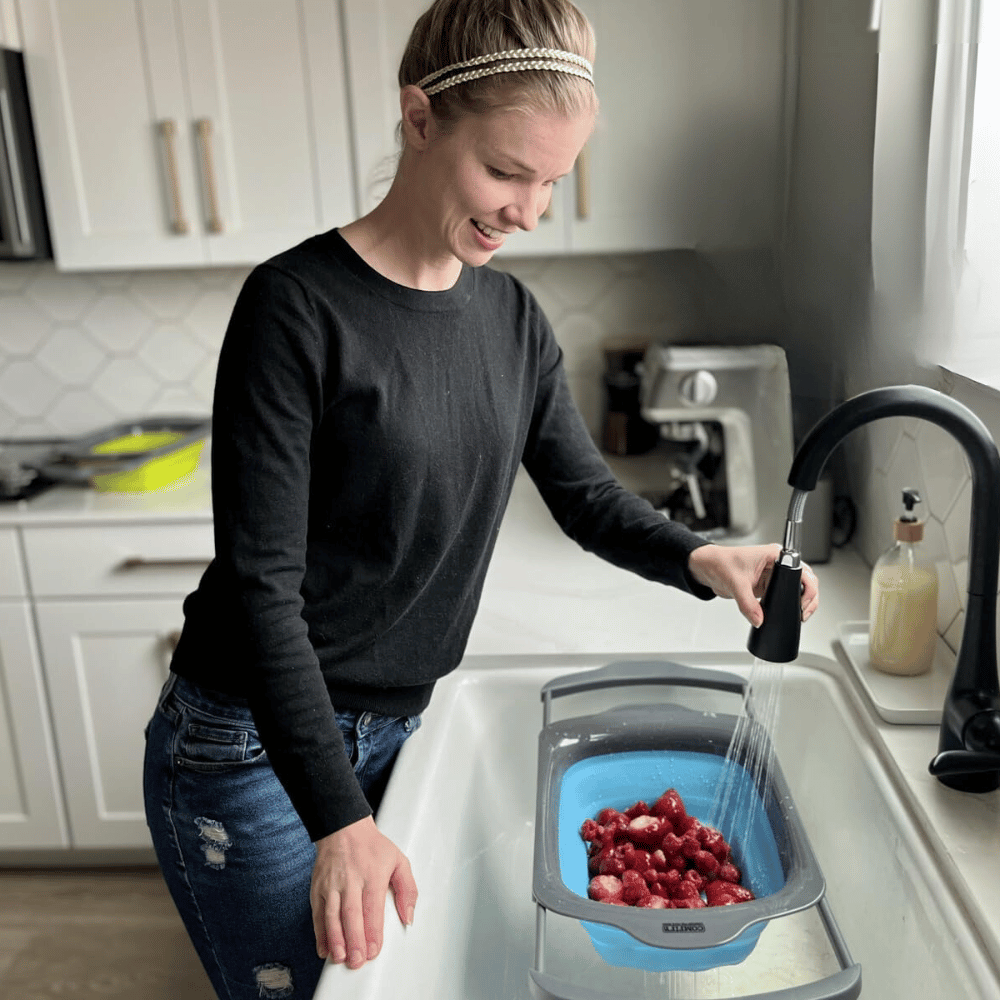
89, 934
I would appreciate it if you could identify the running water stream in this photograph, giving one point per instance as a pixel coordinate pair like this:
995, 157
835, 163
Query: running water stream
736, 803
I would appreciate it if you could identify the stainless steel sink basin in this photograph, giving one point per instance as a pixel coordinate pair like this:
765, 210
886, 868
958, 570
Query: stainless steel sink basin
461, 806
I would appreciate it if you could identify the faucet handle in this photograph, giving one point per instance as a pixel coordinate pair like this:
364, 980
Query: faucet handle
964, 762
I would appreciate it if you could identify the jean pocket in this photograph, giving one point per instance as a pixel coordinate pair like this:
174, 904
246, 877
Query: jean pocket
203, 747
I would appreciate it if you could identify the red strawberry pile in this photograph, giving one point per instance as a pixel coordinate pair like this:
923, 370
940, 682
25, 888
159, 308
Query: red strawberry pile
659, 857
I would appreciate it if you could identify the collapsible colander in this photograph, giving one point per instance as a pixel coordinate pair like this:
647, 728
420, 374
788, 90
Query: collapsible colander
617, 757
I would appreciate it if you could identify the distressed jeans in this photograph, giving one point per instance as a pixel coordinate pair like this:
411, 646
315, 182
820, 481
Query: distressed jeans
234, 853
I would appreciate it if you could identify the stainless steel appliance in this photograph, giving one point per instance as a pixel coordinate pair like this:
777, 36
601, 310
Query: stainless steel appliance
24, 230
725, 421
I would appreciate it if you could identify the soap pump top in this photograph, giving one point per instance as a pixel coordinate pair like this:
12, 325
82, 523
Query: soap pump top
903, 605
908, 528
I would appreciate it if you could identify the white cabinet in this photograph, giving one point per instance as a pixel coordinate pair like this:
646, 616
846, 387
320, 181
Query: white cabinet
108, 600
105, 662
31, 809
187, 132
688, 147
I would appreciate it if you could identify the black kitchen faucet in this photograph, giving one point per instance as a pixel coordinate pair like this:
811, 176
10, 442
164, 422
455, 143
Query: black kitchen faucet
968, 757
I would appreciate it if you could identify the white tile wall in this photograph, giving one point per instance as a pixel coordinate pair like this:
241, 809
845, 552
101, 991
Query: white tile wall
82, 350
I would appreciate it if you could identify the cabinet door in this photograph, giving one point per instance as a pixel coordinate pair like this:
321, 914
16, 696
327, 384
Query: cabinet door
106, 78
105, 662
687, 150
376, 33
188, 132
268, 119
31, 810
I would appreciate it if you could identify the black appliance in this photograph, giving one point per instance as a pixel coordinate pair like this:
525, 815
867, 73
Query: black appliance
24, 232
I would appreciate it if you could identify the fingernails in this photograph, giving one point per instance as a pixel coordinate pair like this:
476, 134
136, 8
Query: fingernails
409, 915
357, 958
339, 954
372, 950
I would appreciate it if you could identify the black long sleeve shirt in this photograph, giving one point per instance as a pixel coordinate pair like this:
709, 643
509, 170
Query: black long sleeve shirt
365, 441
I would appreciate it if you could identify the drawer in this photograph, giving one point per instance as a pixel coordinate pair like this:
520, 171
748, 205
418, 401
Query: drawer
11, 574
144, 559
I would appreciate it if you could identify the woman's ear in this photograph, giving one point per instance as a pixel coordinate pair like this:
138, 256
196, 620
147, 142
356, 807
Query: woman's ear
415, 107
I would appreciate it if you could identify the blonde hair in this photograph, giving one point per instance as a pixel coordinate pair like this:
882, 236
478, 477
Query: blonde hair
456, 31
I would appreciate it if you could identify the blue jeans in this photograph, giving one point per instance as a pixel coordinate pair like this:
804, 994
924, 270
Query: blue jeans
234, 853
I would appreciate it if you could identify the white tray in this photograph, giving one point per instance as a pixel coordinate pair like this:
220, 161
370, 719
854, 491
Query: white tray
907, 700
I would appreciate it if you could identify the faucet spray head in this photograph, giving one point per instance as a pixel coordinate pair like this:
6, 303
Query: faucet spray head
777, 637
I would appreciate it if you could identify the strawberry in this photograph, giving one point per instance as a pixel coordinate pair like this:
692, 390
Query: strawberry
690, 847
671, 879
605, 816
639, 860
639, 809
611, 864
671, 844
729, 872
706, 862
605, 888
591, 830
686, 824
740, 893
694, 877
646, 831
670, 805
653, 902
658, 860
717, 892
685, 890
689, 904
716, 843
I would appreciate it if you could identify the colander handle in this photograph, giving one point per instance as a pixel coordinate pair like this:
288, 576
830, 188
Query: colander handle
845, 984
623, 673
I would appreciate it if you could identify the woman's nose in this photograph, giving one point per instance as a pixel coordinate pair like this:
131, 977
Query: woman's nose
525, 211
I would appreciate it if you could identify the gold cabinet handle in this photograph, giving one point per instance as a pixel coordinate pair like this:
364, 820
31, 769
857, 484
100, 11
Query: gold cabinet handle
168, 133
583, 183
204, 129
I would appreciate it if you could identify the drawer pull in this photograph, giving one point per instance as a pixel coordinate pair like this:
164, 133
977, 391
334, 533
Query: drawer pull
142, 562
168, 133
204, 129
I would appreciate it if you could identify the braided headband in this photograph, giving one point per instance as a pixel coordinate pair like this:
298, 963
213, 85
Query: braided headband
555, 60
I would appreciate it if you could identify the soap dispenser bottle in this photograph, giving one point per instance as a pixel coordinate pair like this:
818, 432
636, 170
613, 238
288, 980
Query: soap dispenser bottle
902, 635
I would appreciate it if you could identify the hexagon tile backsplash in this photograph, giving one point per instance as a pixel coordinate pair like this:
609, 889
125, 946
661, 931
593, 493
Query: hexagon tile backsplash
79, 351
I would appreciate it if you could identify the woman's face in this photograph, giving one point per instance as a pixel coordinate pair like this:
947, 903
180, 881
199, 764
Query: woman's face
493, 173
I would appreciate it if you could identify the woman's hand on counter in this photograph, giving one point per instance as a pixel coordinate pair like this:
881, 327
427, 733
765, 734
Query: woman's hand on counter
742, 572
355, 867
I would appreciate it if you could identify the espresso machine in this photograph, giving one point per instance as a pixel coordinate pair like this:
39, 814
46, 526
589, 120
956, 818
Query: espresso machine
725, 437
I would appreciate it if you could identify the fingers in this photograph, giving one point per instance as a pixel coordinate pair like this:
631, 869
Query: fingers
353, 872
404, 889
810, 592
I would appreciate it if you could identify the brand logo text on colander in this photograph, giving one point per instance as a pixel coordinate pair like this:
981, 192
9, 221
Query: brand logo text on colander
683, 928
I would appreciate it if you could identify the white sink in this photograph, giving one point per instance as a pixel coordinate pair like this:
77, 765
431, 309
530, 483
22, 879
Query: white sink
461, 806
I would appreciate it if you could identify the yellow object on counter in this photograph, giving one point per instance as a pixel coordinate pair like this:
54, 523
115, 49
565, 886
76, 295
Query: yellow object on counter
152, 475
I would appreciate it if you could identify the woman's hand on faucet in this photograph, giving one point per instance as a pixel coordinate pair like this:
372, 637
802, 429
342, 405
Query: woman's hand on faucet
742, 572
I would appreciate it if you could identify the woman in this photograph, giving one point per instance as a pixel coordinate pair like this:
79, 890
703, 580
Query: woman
377, 391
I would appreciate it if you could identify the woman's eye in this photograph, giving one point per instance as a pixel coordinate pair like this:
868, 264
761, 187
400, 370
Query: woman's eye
498, 174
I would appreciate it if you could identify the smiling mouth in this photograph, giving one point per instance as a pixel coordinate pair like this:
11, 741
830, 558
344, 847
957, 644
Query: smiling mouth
488, 231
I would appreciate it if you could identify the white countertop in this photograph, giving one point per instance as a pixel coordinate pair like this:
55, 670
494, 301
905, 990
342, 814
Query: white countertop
189, 500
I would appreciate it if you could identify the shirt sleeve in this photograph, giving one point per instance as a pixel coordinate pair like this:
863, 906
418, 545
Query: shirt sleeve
269, 396
583, 495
